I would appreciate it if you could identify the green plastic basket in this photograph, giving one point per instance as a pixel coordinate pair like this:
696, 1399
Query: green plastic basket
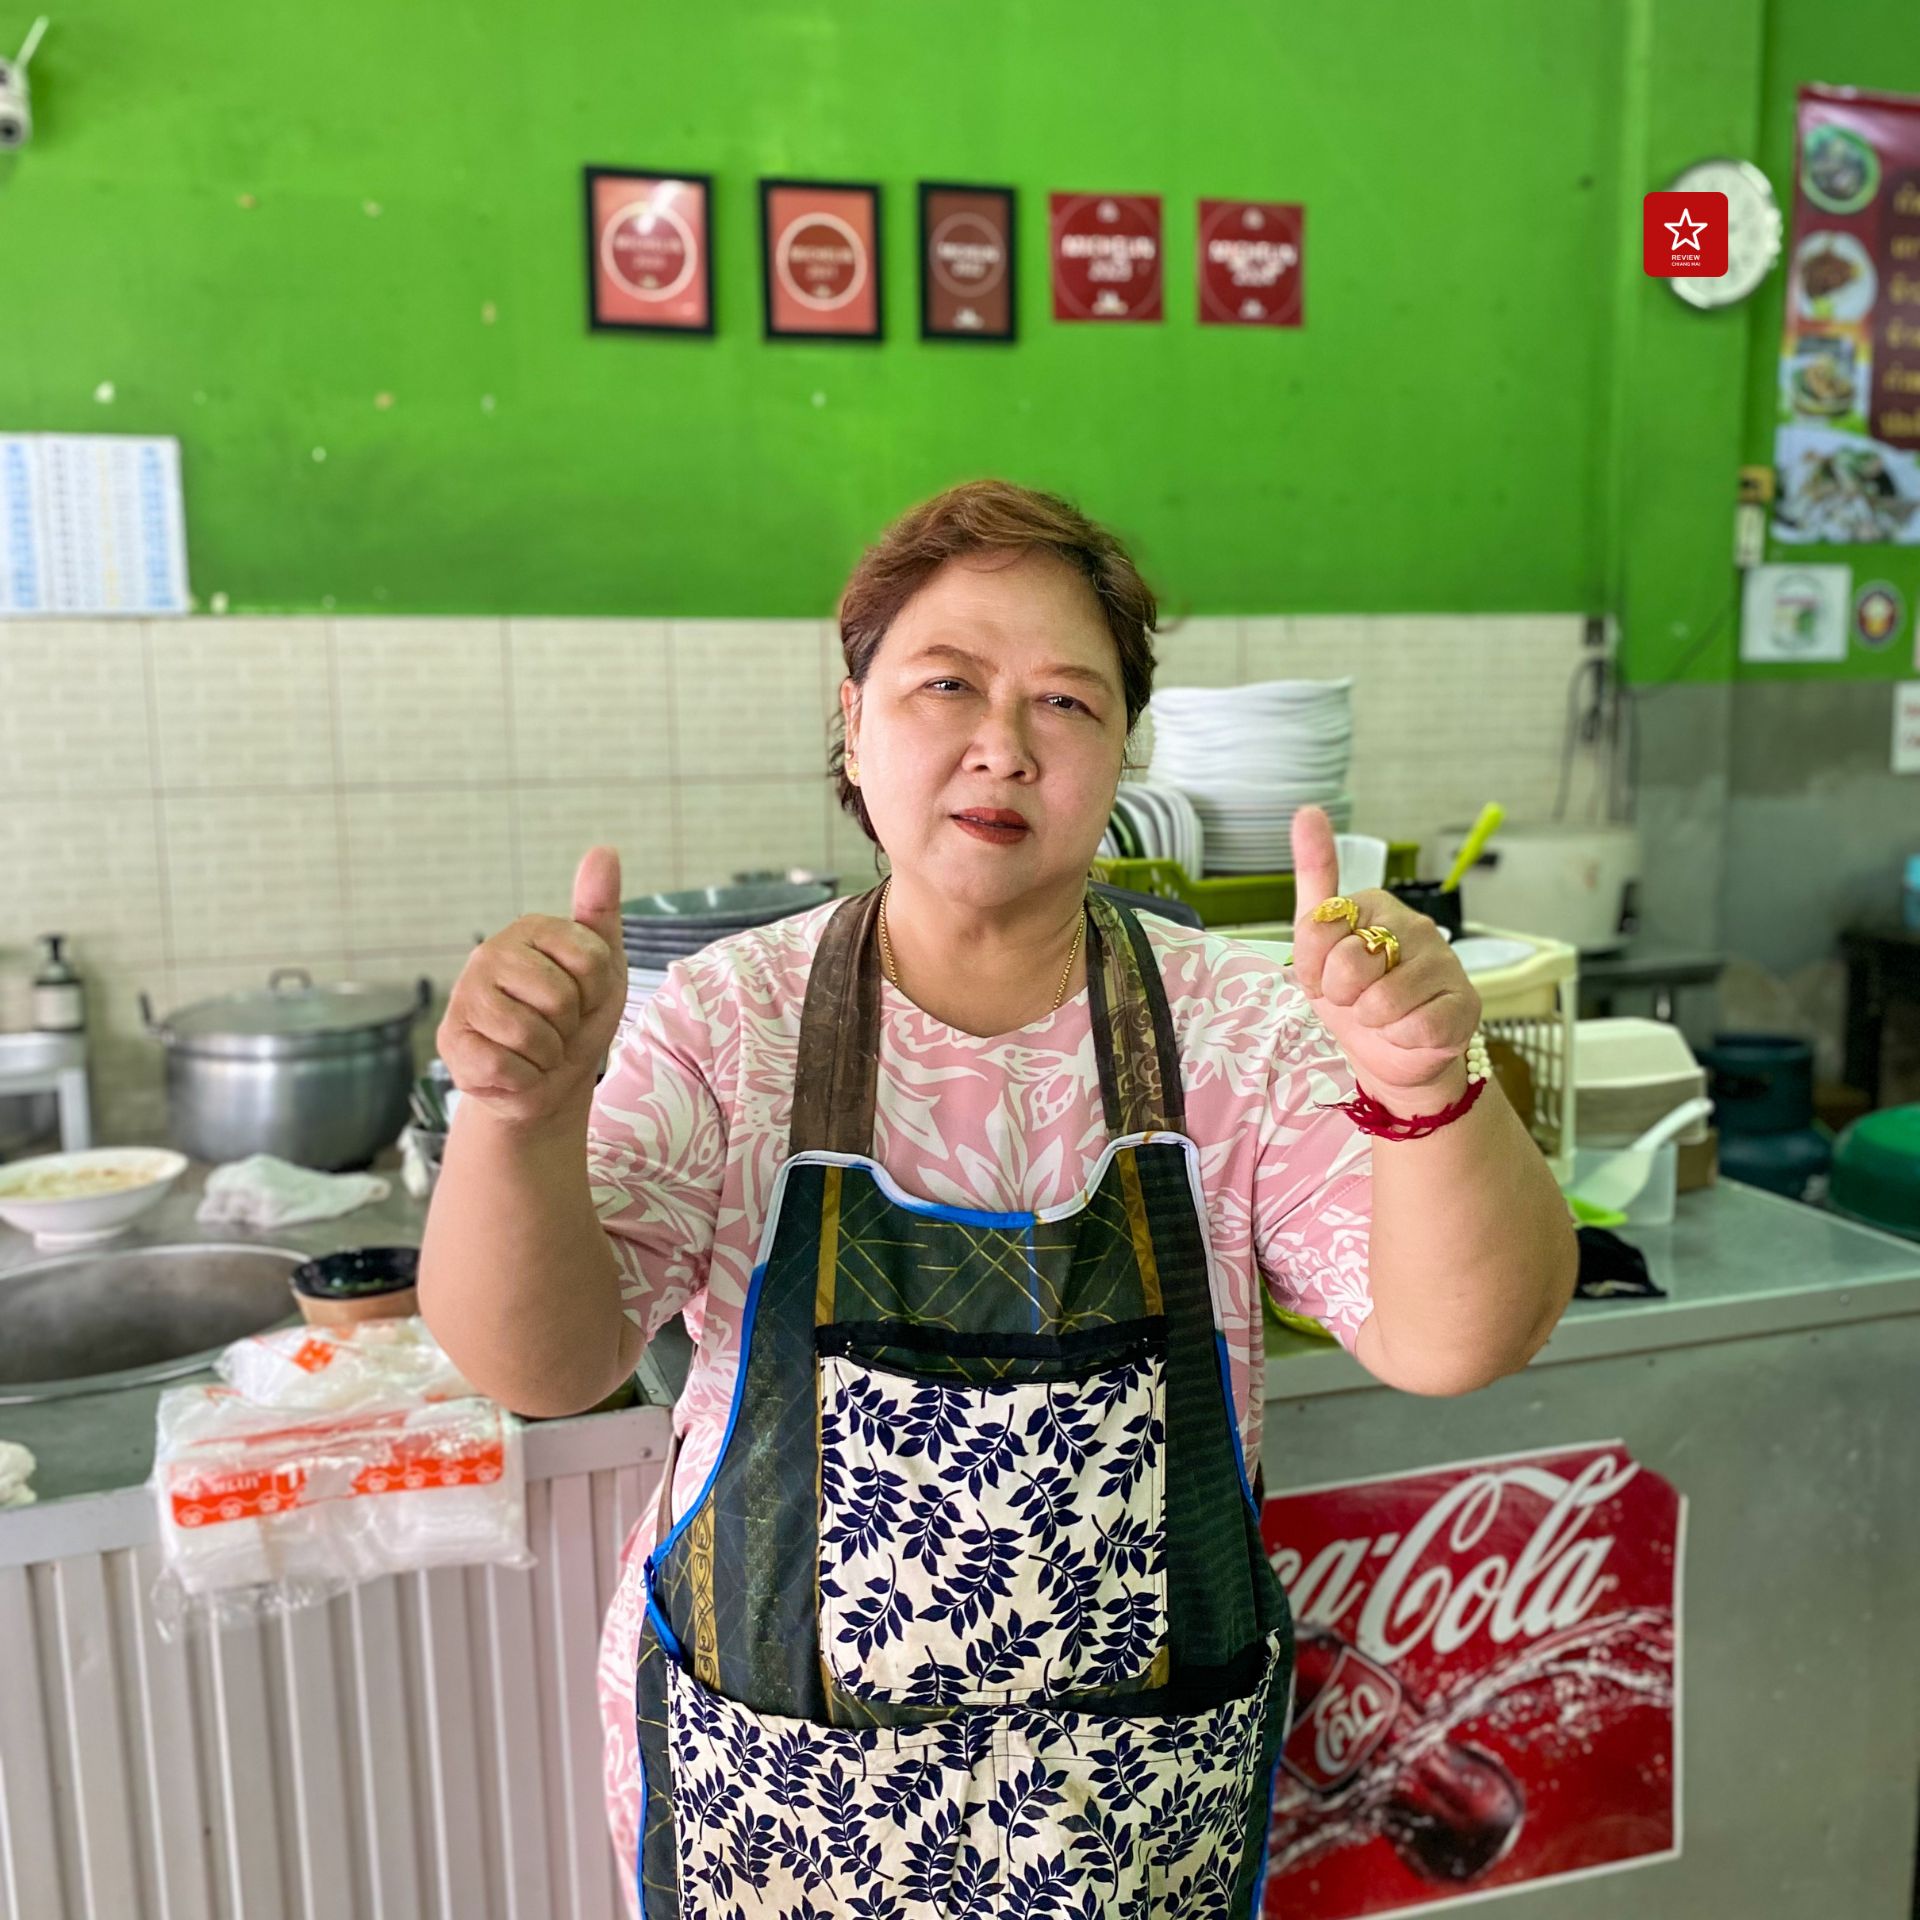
1236, 899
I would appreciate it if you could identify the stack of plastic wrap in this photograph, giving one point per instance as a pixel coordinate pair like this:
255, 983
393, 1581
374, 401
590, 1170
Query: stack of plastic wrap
328, 1456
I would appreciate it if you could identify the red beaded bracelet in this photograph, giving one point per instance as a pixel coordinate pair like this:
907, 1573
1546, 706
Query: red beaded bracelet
1370, 1116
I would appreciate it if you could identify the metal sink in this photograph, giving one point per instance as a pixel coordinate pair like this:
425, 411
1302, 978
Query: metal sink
93, 1322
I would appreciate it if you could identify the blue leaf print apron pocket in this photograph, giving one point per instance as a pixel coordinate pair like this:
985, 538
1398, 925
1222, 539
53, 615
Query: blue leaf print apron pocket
992, 1543
1014, 1813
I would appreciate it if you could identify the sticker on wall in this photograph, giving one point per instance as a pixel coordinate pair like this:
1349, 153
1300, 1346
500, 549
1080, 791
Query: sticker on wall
966, 262
820, 259
1250, 263
1906, 726
1106, 256
1877, 612
649, 251
1791, 614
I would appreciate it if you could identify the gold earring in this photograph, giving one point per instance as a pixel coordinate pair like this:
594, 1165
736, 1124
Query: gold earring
853, 772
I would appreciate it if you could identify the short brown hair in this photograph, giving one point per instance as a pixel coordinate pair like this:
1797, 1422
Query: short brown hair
990, 516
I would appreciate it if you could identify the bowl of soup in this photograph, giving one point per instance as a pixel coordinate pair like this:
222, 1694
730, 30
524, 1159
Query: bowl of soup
76, 1199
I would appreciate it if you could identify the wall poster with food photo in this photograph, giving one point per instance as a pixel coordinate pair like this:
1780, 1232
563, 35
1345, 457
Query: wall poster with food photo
1848, 441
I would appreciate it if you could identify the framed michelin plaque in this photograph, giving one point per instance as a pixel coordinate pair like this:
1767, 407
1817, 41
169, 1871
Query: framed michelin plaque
966, 262
649, 251
820, 246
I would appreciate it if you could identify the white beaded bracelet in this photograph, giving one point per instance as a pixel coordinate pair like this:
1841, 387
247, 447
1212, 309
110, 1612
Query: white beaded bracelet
1479, 1063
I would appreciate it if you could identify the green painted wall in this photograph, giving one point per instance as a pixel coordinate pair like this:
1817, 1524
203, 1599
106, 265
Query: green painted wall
1489, 407
1429, 440
1689, 87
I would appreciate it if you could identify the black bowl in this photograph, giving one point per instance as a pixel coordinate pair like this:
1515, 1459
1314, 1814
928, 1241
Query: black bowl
1425, 896
357, 1273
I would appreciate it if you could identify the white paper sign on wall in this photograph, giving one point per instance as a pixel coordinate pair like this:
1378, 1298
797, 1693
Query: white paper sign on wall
91, 523
1790, 613
1906, 726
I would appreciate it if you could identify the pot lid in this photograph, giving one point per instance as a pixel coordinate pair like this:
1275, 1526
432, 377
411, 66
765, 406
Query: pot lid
291, 1006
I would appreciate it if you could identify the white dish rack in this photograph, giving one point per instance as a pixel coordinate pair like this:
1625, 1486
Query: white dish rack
1533, 1007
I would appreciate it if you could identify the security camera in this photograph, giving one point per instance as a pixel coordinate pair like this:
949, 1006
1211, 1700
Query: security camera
16, 114
16, 103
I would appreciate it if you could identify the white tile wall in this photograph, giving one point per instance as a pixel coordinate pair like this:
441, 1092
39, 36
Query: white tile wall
252, 876
421, 701
243, 704
730, 825
557, 824
194, 802
1201, 653
73, 709
748, 690
430, 865
591, 700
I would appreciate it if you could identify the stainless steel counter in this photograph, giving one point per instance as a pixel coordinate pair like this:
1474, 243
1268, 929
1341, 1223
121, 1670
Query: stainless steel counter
96, 1442
1736, 1263
102, 1443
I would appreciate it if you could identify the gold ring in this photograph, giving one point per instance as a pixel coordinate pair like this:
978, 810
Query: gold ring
1338, 908
1379, 940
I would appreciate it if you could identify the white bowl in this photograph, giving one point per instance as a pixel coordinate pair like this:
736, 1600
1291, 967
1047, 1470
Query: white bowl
82, 1219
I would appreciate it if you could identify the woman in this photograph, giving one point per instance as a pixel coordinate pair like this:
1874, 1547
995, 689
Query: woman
966, 1186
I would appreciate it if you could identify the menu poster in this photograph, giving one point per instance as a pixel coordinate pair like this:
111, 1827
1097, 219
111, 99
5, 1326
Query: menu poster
1106, 256
1250, 263
966, 262
821, 241
1848, 441
649, 251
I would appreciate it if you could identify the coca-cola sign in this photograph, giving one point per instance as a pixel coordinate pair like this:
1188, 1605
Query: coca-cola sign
1487, 1684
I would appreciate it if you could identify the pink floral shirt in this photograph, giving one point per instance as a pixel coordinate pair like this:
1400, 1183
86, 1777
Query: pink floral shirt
690, 1125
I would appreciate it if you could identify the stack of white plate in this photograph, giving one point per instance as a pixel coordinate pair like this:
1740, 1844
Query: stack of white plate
1250, 757
1153, 822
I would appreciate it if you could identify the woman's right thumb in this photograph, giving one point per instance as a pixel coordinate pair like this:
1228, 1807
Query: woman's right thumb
596, 894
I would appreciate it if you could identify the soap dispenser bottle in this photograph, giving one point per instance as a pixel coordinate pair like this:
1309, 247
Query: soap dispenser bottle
59, 998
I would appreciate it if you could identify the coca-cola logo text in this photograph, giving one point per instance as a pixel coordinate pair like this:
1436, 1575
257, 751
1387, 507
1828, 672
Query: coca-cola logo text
1423, 1594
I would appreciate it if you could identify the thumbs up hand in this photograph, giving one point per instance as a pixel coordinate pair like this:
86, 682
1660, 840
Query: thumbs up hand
535, 1009
1404, 1028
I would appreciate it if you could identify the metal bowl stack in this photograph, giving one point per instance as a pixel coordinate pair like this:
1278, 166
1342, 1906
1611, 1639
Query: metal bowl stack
660, 928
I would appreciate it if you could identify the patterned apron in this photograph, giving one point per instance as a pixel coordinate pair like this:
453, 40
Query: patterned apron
971, 1617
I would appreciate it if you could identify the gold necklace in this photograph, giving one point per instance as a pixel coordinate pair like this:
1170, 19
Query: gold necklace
886, 948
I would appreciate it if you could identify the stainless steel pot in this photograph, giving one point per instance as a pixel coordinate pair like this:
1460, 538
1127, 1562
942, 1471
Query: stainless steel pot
315, 1074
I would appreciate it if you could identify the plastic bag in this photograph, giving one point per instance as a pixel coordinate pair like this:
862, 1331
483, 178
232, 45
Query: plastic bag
372, 1363
263, 1510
